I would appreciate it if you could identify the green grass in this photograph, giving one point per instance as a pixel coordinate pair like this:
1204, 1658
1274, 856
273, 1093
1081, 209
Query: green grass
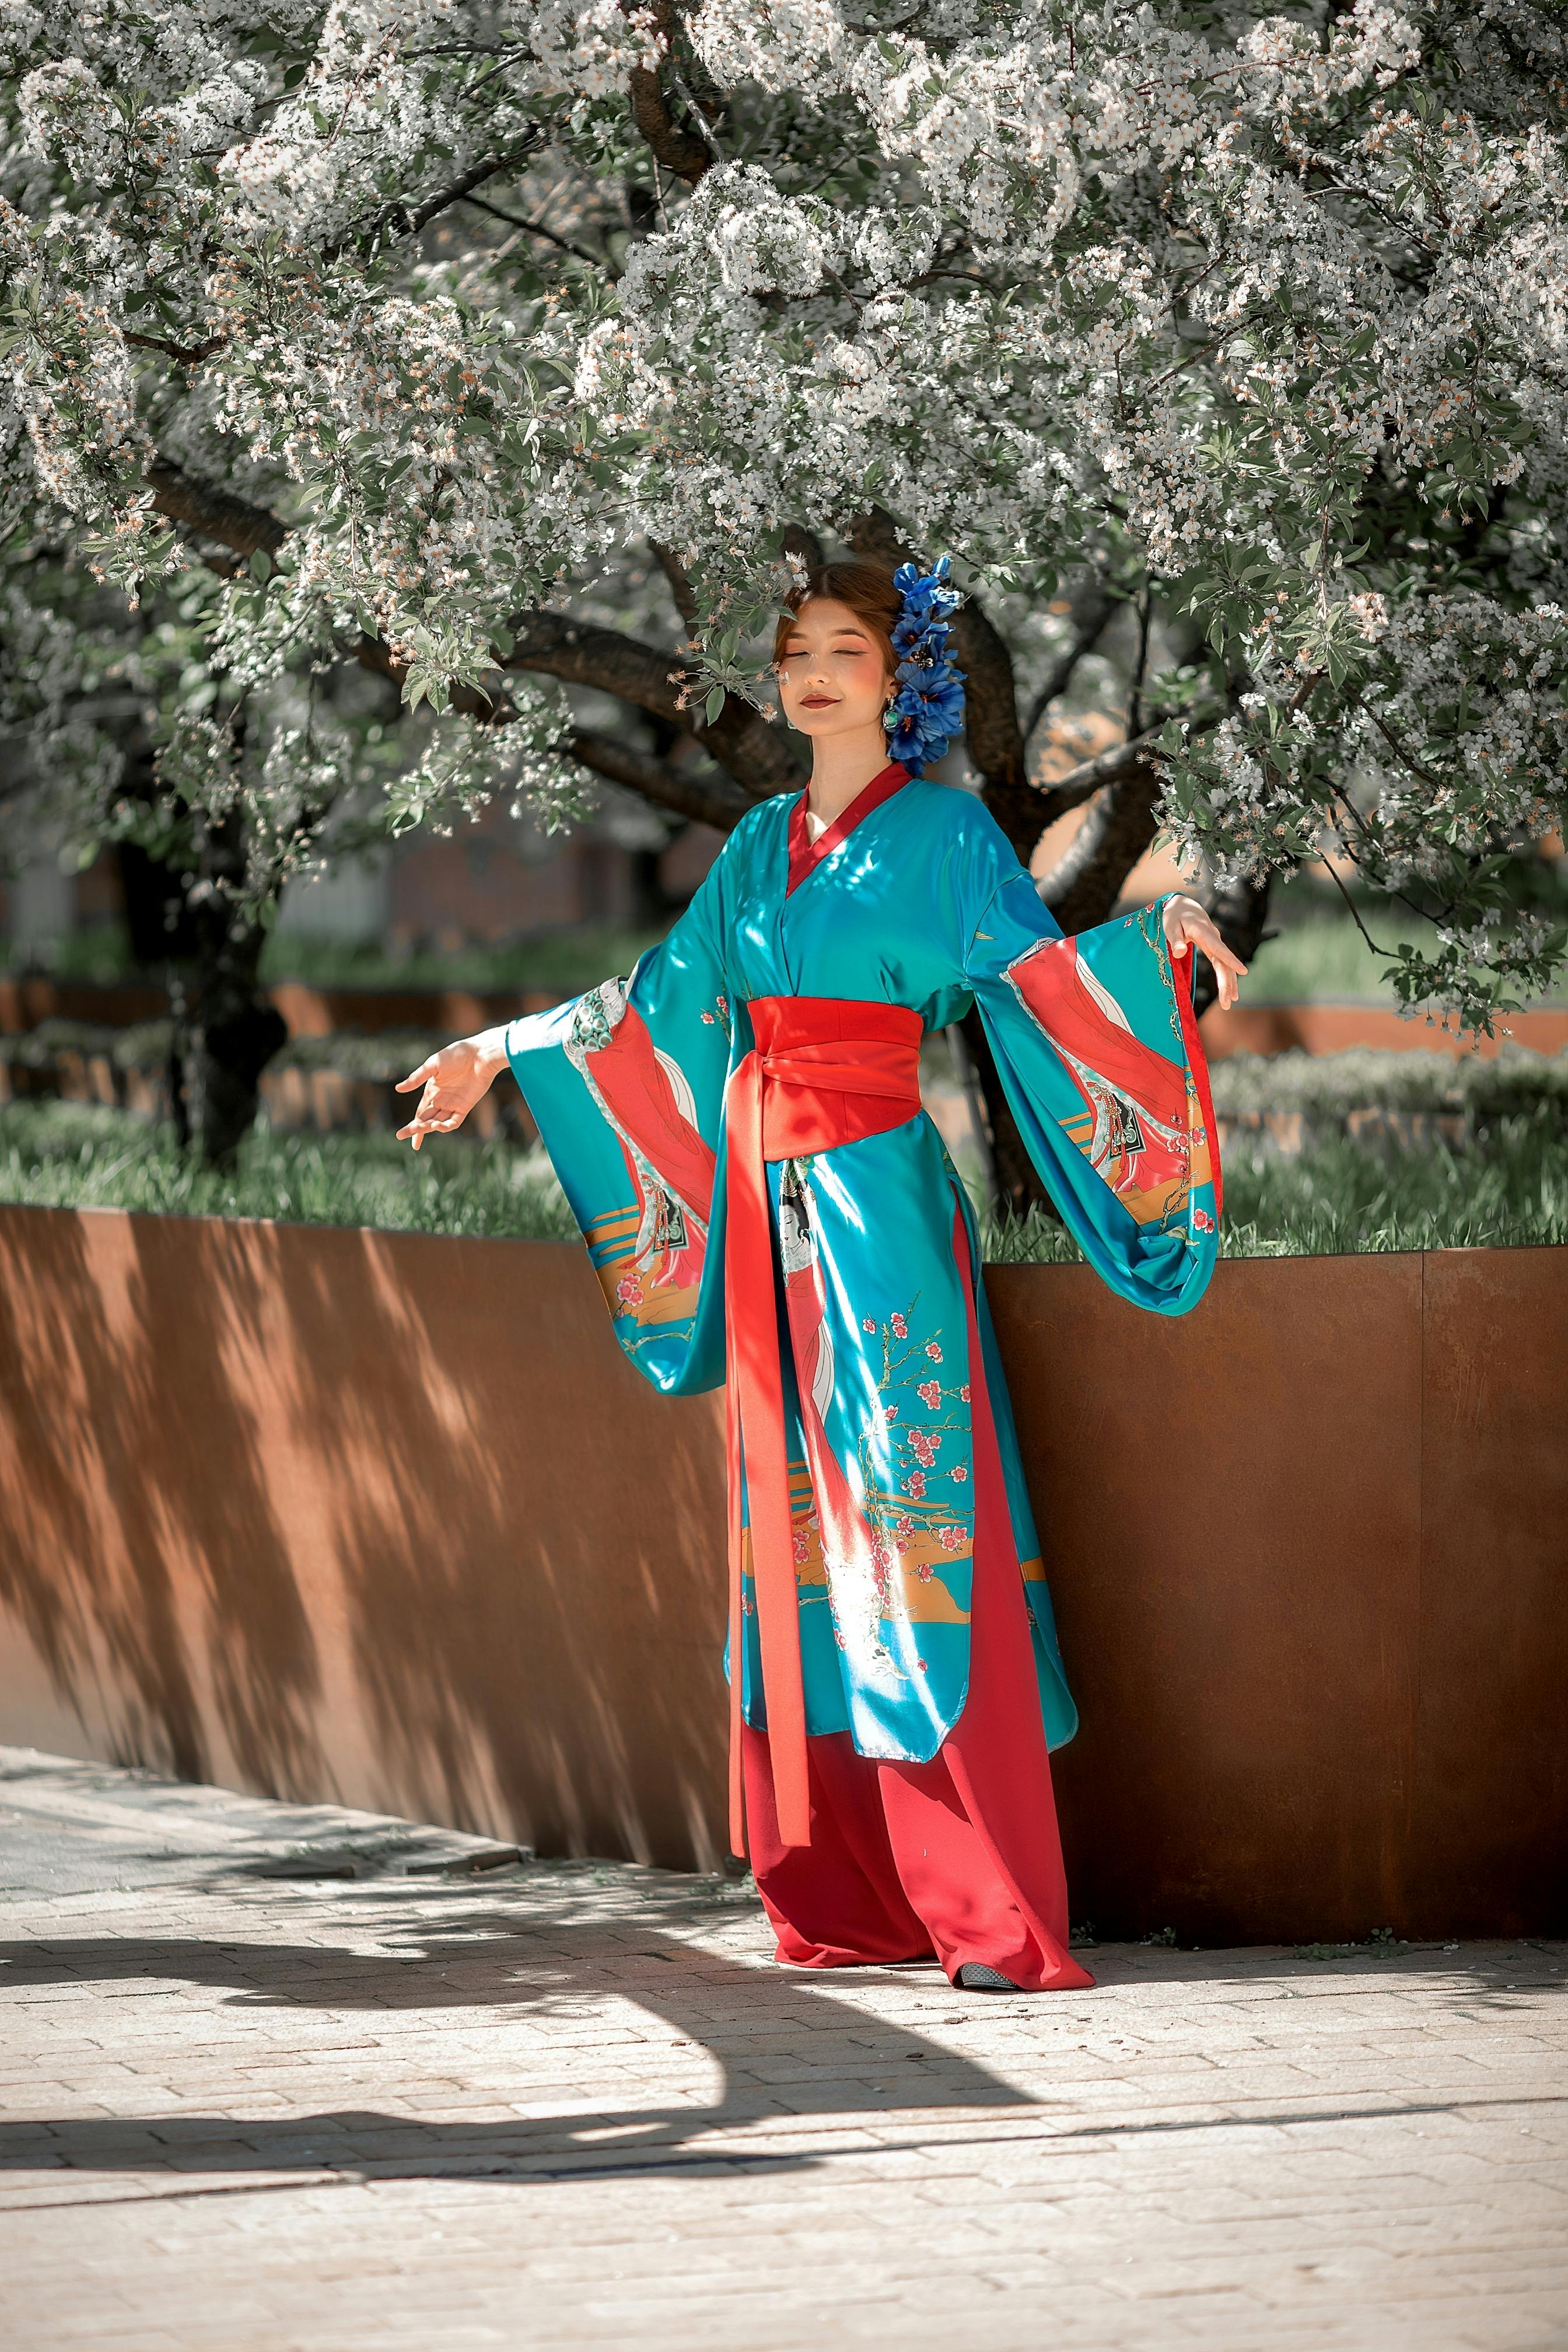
1340, 1197
1512, 1082
68, 1155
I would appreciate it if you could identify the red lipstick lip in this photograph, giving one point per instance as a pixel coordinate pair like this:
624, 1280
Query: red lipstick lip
816, 702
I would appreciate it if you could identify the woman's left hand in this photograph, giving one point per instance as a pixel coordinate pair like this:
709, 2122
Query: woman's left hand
1188, 925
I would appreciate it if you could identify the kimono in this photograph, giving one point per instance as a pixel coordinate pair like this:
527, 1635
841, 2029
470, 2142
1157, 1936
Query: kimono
736, 1128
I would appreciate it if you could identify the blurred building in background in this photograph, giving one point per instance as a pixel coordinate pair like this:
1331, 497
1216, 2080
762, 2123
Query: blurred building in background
496, 880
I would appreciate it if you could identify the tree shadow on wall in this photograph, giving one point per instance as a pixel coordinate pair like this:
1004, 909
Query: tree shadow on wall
381, 1516
530, 1540
143, 1554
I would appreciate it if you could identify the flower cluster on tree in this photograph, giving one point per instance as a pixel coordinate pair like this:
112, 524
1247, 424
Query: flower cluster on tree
426, 340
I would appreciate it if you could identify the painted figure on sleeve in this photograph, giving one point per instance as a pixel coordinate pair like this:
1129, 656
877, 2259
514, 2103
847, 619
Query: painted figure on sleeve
896, 1685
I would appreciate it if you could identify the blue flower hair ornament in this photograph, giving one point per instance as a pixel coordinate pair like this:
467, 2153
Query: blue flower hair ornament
927, 712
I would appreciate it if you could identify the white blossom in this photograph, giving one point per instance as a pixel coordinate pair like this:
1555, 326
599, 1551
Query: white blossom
1270, 309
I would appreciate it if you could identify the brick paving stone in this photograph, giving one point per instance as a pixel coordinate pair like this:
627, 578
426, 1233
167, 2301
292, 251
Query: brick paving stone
576, 2105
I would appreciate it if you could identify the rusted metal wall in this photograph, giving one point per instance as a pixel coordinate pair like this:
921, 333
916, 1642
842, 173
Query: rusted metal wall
388, 1518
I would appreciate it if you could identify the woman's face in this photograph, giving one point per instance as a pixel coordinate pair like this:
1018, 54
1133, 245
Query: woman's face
833, 674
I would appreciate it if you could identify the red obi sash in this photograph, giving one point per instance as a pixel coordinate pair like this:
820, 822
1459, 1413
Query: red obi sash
825, 1070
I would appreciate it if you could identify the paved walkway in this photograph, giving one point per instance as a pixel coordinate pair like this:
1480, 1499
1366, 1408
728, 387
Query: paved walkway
434, 2104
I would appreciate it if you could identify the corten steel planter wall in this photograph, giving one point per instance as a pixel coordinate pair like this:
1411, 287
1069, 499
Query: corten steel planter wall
386, 1519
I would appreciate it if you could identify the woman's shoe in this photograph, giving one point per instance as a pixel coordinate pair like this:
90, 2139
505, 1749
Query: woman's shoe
976, 1977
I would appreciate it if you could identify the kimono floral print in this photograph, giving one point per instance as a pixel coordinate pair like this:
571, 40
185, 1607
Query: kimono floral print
915, 907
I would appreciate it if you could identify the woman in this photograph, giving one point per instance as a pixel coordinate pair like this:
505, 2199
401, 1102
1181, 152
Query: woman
739, 1131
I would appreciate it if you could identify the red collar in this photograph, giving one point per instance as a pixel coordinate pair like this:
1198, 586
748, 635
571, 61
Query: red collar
806, 855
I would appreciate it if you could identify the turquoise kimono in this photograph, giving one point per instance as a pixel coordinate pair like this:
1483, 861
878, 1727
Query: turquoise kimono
915, 898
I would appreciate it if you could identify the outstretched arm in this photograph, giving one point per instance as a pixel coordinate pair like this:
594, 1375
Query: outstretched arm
1096, 1044
453, 1080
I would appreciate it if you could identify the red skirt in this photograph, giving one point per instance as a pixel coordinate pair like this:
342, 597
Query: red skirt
959, 1859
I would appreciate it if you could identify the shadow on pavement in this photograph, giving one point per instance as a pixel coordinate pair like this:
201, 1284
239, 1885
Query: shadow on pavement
786, 2046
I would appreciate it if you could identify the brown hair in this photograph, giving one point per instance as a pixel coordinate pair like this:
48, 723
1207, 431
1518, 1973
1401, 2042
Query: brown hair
865, 588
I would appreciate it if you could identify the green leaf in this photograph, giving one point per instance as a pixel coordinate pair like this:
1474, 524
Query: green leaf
714, 704
261, 564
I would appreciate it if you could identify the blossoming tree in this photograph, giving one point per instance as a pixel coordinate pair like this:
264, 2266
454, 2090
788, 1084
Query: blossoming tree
388, 338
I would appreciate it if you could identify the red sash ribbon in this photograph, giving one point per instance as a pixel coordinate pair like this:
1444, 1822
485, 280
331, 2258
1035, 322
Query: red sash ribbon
823, 1071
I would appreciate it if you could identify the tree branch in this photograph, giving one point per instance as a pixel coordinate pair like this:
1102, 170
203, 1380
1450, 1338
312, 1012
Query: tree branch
582, 654
739, 740
709, 136
1121, 825
1336, 879
401, 219
1091, 613
680, 586
537, 228
1391, 740
678, 150
1090, 776
216, 513
1134, 720
707, 799
187, 356
712, 798
1085, 883
992, 734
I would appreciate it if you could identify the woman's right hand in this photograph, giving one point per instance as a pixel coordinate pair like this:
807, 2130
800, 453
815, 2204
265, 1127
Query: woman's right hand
454, 1080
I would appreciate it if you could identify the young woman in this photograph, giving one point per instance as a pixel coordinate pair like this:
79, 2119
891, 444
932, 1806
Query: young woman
738, 1127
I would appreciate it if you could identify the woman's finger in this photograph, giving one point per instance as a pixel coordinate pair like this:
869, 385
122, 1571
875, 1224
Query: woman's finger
1223, 959
418, 1077
423, 1119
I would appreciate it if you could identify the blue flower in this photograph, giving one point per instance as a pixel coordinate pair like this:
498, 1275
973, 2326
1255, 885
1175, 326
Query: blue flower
927, 712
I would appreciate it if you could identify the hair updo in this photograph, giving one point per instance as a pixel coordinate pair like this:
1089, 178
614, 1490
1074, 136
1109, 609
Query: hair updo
865, 588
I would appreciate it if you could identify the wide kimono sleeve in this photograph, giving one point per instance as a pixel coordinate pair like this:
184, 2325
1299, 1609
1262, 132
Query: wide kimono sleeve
1098, 1049
626, 1086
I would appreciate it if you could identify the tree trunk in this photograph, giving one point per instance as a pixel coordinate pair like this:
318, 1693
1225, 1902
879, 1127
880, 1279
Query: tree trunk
233, 1031
232, 1036
223, 1032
